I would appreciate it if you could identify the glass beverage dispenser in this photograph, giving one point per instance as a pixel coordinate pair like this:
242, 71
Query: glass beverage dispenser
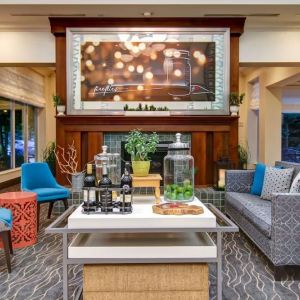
179, 172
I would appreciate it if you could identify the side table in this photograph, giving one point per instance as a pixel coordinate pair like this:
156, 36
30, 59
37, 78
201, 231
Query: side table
152, 180
24, 209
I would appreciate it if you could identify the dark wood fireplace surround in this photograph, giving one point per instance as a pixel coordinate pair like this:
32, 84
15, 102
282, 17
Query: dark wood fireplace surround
213, 137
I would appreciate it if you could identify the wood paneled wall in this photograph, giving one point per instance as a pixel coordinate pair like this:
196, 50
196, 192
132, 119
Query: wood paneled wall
212, 136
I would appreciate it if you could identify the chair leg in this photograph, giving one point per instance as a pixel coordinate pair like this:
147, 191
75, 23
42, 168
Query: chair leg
50, 209
38, 217
5, 239
10, 243
66, 204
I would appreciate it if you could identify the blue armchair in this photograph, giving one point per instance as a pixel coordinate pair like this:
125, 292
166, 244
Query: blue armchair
5, 227
37, 178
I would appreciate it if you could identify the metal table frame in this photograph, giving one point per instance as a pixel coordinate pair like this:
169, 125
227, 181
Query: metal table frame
59, 226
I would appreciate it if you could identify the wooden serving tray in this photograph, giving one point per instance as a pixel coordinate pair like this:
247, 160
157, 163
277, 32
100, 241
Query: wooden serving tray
177, 209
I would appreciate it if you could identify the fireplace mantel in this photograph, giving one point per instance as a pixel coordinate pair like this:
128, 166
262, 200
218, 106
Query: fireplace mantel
213, 137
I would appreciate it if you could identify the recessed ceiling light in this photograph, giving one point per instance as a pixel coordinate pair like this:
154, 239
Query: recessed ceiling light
147, 14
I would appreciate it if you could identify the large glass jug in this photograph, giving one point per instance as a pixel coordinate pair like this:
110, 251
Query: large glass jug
179, 172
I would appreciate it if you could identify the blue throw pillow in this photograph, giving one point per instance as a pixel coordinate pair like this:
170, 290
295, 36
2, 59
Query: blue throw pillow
258, 180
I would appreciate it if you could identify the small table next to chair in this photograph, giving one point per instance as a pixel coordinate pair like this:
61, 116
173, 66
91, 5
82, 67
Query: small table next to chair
24, 209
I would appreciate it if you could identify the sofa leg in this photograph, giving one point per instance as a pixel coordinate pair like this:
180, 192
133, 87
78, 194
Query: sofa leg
5, 239
283, 272
279, 273
66, 204
50, 209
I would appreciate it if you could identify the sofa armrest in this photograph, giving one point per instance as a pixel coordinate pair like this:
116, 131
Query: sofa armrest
238, 180
285, 229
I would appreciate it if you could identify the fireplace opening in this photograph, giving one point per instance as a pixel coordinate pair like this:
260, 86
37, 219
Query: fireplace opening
157, 158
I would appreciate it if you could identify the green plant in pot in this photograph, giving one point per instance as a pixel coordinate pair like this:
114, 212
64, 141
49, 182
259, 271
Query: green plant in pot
235, 100
49, 156
139, 145
244, 155
58, 105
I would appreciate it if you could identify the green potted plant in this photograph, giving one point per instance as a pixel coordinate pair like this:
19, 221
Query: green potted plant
49, 156
59, 107
244, 155
139, 145
235, 100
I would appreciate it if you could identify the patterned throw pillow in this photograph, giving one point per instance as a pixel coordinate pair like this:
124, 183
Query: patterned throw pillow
276, 181
295, 187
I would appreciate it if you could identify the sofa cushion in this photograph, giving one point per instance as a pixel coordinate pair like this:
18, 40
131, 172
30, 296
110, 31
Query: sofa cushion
295, 187
258, 179
276, 181
257, 211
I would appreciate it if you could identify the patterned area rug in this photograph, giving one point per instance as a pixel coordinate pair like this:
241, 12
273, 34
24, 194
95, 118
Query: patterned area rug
37, 271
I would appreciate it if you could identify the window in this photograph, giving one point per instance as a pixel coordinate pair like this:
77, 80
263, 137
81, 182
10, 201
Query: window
17, 134
5, 135
291, 137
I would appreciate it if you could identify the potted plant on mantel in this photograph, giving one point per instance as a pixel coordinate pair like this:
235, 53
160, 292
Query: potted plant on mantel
59, 107
235, 100
139, 145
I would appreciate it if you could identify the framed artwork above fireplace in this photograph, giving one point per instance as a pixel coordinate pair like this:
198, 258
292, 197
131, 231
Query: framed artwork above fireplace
183, 69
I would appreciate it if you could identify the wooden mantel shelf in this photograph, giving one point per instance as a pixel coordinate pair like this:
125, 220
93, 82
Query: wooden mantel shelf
119, 120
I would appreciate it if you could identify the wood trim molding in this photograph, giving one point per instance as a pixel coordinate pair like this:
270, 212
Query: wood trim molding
59, 25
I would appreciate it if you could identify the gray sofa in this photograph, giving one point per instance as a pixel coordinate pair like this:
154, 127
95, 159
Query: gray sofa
274, 226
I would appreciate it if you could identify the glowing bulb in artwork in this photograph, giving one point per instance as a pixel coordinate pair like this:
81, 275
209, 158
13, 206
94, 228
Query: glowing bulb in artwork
88, 63
153, 56
96, 43
128, 45
135, 49
118, 54
119, 65
177, 54
91, 67
110, 81
90, 49
142, 46
104, 65
196, 54
168, 52
140, 69
117, 98
82, 78
140, 87
202, 59
149, 75
177, 73
131, 68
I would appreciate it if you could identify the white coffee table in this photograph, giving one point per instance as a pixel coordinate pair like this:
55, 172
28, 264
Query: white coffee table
142, 237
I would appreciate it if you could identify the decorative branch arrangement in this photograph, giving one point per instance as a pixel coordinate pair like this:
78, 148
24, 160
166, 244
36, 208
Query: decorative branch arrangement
67, 159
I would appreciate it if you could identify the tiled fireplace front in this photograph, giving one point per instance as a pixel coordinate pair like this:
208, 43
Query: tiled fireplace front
113, 139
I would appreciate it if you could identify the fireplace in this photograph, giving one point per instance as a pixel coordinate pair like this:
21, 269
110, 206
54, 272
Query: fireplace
157, 158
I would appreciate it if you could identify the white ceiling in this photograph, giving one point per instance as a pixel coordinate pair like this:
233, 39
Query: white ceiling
277, 17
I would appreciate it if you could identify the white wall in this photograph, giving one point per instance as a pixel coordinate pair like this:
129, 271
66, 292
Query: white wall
255, 46
270, 46
27, 47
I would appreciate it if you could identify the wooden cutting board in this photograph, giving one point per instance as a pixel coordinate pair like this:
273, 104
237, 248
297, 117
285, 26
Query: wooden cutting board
177, 209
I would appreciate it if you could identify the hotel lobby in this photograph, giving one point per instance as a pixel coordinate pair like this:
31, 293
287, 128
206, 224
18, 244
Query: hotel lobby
149, 150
